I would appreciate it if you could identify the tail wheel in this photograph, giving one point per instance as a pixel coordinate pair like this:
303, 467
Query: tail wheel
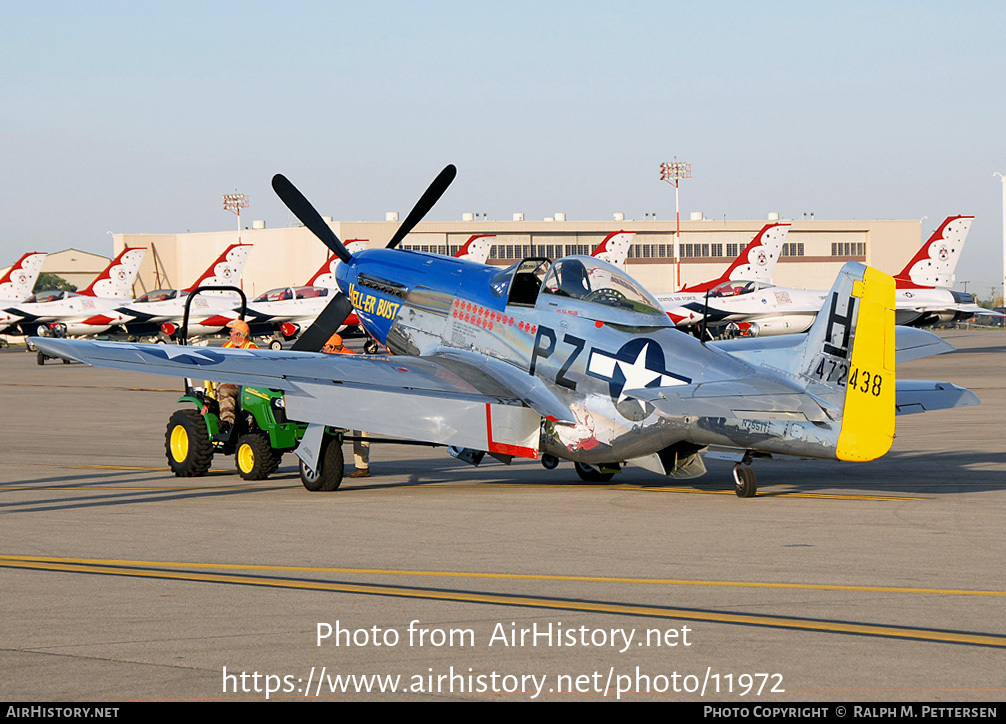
745, 482
329, 475
255, 458
591, 474
187, 444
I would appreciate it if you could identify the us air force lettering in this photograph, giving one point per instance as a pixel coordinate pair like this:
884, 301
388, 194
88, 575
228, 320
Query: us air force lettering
572, 360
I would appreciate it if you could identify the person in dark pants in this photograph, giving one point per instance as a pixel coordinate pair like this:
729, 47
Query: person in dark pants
361, 448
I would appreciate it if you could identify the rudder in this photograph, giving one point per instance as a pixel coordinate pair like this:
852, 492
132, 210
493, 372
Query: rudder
849, 357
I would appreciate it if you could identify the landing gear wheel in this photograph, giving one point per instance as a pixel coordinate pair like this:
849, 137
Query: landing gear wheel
330, 462
549, 462
41, 358
275, 345
590, 474
187, 444
371, 347
745, 482
255, 458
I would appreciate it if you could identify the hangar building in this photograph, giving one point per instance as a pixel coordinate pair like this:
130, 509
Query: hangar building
814, 252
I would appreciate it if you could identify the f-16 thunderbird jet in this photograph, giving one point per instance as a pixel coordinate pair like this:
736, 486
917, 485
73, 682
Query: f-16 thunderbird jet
88, 312
572, 360
280, 313
757, 308
17, 284
160, 311
754, 265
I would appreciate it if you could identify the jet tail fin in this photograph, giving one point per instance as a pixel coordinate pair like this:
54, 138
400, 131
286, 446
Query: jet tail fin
19, 280
756, 262
227, 268
116, 281
614, 248
849, 360
934, 264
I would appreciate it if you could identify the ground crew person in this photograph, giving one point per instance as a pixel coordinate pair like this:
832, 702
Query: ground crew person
227, 395
361, 448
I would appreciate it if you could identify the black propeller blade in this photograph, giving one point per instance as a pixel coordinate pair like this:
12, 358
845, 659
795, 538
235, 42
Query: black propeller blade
333, 315
308, 215
425, 203
327, 324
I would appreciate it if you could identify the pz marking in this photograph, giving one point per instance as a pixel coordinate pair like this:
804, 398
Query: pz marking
544, 346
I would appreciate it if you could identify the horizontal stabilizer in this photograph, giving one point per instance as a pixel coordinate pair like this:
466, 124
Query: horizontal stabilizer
915, 396
914, 343
910, 343
752, 397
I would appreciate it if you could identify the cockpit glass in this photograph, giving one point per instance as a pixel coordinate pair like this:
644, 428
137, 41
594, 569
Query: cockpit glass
49, 296
158, 295
592, 280
275, 295
736, 288
311, 292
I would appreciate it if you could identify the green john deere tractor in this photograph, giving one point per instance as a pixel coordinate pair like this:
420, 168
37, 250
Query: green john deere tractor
260, 435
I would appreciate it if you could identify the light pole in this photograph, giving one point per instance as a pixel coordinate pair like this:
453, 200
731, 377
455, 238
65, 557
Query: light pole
672, 173
234, 203
1003, 179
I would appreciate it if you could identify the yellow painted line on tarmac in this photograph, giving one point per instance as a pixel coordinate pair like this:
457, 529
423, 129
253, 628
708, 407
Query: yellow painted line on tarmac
783, 494
72, 488
527, 601
91, 387
125, 467
502, 576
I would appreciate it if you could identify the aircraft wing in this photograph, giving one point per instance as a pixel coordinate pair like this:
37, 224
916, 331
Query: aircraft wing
423, 399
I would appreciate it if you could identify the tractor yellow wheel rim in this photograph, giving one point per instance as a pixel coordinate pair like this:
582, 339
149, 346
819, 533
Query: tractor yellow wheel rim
246, 458
179, 443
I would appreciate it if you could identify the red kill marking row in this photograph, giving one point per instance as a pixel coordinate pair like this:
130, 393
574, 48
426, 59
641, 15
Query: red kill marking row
487, 318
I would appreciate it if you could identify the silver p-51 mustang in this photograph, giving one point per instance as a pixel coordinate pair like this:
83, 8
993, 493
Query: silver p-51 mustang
571, 359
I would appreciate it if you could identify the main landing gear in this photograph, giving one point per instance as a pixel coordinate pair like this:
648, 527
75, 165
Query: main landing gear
745, 481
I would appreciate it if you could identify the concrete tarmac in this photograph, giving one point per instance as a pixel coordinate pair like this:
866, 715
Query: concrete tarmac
880, 581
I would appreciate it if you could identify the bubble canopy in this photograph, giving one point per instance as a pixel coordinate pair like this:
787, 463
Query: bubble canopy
591, 280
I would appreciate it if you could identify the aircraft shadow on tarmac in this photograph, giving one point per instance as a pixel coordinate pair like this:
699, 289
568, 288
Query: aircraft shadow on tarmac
106, 493
906, 474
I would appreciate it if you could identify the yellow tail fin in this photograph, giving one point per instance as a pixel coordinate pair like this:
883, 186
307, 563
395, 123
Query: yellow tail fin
868, 415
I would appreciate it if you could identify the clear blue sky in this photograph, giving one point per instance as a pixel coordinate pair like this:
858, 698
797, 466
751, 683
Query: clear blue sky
137, 116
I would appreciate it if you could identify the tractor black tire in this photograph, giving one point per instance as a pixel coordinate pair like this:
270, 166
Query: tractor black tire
590, 474
255, 459
331, 462
187, 444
